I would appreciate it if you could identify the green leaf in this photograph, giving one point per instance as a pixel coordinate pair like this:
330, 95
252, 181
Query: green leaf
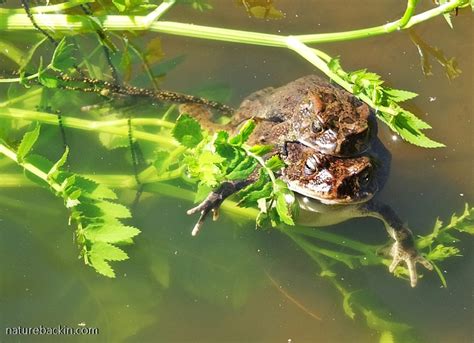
121, 5
285, 199
108, 252
243, 169
223, 147
378, 323
93, 189
113, 209
252, 198
110, 233
274, 163
346, 305
159, 163
111, 141
53, 171
386, 337
261, 150
100, 265
48, 81
187, 131
244, 133
335, 65
399, 95
409, 127
27, 142
63, 56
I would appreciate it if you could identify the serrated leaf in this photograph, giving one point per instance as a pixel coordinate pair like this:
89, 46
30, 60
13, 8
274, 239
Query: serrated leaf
409, 129
113, 209
244, 133
27, 142
252, 198
93, 189
59, 163
399, 95
63, 56
108, 252
274, 163
187, 131
386, 337
110, 233
101, 266
111, 141
243, 169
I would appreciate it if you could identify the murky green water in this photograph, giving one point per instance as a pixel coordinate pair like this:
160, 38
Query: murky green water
218, 287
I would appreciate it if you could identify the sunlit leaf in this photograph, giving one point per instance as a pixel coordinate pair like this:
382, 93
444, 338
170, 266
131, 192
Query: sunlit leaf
187, 131
244, 133
110, 233
399, 95
27, 142
59, 163
63, 56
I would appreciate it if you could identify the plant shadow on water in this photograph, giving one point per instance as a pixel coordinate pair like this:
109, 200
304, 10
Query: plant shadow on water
232, 283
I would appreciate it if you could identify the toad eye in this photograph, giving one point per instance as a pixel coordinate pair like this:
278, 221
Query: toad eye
316, 126
311, 165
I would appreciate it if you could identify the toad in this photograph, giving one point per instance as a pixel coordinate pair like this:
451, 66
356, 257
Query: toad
334, 161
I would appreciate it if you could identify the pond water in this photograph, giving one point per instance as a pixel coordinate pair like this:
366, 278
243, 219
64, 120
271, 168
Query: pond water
233, 283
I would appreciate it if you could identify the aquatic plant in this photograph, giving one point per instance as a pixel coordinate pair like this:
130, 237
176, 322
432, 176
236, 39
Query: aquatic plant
176, 148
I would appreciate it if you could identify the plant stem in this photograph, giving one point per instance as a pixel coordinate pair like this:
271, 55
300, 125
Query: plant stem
49, 8
29, 167
80, 23
117, 127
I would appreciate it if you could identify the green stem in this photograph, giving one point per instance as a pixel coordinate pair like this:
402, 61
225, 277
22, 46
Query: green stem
29, 167
335, 239
383, 29
159, 11
80, 23
410, 10
117, 127
49, 8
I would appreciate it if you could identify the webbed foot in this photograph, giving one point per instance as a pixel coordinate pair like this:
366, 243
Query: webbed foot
410, 257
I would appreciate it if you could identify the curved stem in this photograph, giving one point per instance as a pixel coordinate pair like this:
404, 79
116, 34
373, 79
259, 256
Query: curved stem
80, 23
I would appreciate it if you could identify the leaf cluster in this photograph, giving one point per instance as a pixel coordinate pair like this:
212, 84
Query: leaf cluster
92, 209
214, 159
369, 86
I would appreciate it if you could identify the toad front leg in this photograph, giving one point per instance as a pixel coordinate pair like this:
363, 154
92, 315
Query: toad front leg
215, 199
403, 249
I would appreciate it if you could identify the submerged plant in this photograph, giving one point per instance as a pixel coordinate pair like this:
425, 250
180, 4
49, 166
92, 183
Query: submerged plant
172, 155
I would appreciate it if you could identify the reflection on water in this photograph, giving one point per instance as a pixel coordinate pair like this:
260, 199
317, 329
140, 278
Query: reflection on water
218, 287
